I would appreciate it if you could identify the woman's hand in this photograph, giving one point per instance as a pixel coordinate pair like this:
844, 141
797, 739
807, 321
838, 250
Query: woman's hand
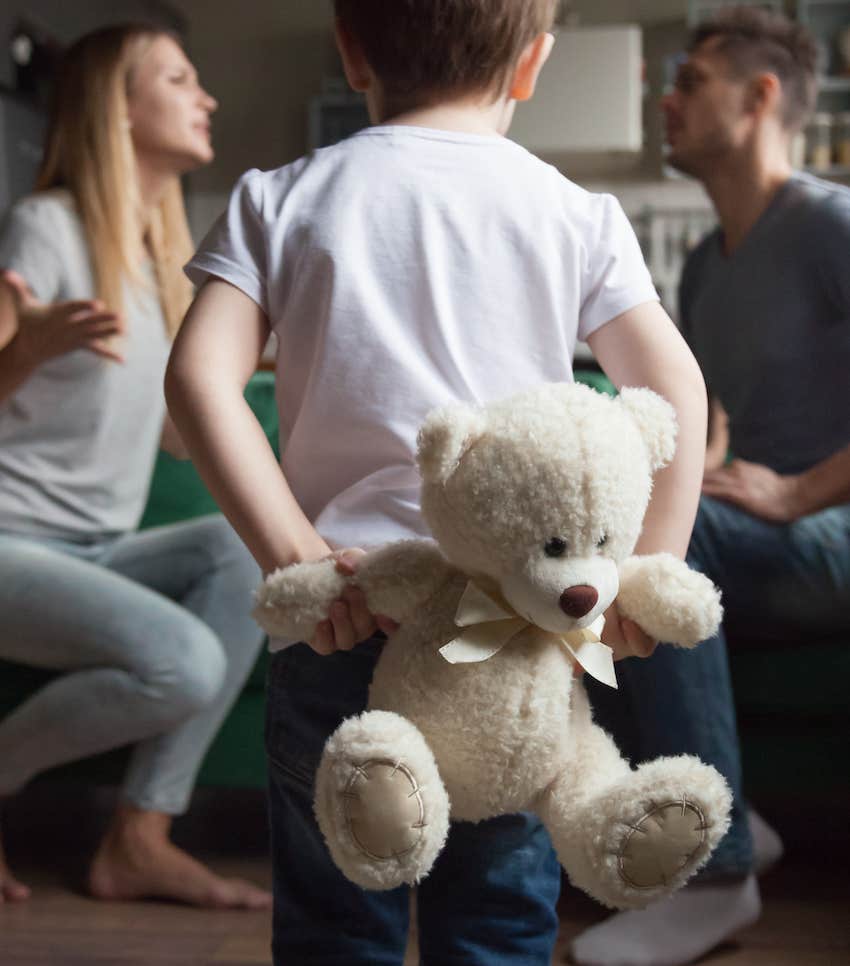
350, 621
46, 330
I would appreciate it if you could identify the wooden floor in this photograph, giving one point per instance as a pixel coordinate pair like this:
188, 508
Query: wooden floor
806, 919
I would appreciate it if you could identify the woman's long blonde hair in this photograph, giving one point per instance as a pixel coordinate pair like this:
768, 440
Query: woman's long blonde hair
89, 151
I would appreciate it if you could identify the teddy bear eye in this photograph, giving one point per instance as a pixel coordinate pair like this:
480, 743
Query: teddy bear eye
555, 547
602, 540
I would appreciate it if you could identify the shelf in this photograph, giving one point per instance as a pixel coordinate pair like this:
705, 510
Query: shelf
830, 84
835, 171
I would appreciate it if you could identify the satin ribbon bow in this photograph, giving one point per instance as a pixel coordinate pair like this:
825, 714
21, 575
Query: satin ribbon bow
488, 624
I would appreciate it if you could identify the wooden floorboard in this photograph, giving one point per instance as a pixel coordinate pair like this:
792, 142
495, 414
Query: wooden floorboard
806, 920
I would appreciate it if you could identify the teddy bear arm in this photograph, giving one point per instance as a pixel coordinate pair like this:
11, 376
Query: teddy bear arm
668, 600
291, 601
400, 577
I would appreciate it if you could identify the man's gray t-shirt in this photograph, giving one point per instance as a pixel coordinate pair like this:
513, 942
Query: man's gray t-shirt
770, 326
78, 439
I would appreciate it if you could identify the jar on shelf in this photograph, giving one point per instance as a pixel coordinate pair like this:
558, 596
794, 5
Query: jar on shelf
798, 151
819, 141
842, 139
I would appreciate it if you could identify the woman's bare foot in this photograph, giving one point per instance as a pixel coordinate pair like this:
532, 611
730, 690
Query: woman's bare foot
136, 860
10, 889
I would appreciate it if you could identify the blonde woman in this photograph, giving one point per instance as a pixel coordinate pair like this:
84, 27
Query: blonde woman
151, 629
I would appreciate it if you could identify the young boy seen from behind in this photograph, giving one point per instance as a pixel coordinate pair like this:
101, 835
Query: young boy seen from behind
425, 260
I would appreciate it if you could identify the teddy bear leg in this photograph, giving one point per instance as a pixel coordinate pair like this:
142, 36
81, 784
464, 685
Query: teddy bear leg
629, 837
380, 802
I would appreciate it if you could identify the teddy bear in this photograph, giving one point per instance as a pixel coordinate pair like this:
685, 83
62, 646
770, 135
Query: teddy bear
535, 504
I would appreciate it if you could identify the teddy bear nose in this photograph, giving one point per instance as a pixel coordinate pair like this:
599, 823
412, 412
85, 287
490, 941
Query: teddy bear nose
579, 600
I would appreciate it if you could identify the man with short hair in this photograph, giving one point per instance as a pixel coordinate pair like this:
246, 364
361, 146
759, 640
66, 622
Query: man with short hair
765, 306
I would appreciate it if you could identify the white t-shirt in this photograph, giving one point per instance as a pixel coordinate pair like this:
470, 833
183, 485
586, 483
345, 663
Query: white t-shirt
402, 269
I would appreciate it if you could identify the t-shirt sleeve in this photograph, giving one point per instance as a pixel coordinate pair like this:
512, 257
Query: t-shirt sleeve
235, 247
831, 242
27, 247
615, 278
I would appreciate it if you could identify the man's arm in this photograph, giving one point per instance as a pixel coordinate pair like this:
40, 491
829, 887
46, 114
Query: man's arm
215, 354
782, 498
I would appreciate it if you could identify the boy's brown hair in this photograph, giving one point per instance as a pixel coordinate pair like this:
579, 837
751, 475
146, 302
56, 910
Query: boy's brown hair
752, 39
422, 50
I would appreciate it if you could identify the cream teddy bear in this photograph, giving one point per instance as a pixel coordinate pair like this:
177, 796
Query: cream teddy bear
536, 504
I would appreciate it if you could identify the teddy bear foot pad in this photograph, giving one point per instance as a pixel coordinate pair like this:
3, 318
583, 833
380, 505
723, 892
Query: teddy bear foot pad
380, 802
661, 844
384, 809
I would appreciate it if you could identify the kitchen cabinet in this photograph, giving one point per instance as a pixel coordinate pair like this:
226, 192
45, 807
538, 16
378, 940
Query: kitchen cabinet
589, 96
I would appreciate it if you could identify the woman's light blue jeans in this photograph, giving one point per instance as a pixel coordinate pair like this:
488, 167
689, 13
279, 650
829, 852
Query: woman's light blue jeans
783, 582
154, 632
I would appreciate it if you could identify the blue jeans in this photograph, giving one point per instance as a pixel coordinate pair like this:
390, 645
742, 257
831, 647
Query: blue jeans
488, 901
154, 633
782, 582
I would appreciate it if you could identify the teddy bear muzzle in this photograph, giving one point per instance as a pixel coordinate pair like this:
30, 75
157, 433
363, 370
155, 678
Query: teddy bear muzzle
579, 600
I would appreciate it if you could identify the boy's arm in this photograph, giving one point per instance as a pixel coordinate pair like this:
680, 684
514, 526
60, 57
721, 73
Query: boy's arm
642, 347
214, 355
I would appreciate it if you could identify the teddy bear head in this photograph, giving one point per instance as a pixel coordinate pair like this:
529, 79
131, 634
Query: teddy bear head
541, 496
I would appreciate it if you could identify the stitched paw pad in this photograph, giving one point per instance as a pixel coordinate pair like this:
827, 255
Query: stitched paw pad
660, 844
384, 809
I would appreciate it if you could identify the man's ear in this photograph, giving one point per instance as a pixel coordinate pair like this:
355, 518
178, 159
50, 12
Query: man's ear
530, 64
358, 73
764, 93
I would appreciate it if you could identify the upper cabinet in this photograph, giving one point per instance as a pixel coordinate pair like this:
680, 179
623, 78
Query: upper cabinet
589, 95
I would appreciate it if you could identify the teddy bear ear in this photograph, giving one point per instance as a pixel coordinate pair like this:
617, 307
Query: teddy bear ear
444, 437
656, 420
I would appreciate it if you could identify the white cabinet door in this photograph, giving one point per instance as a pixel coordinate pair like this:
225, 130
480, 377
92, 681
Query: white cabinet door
589, 94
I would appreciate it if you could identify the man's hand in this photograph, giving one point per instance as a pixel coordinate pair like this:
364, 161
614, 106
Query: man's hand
349, 622
757, 489
49, 330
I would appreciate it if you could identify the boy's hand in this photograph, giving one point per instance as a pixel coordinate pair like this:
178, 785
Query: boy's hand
51, 329
625, 637
349, 621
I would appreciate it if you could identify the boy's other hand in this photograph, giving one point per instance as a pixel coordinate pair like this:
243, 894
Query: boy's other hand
625, 637
350, 621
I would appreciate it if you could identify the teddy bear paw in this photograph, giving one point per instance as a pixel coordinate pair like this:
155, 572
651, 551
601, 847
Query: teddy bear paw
384, 809
660, 845
380, 802
663, 822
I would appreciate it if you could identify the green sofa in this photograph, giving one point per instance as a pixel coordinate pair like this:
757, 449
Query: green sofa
792, 707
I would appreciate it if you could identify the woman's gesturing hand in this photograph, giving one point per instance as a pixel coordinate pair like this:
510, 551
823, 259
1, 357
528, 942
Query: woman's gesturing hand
51, 329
